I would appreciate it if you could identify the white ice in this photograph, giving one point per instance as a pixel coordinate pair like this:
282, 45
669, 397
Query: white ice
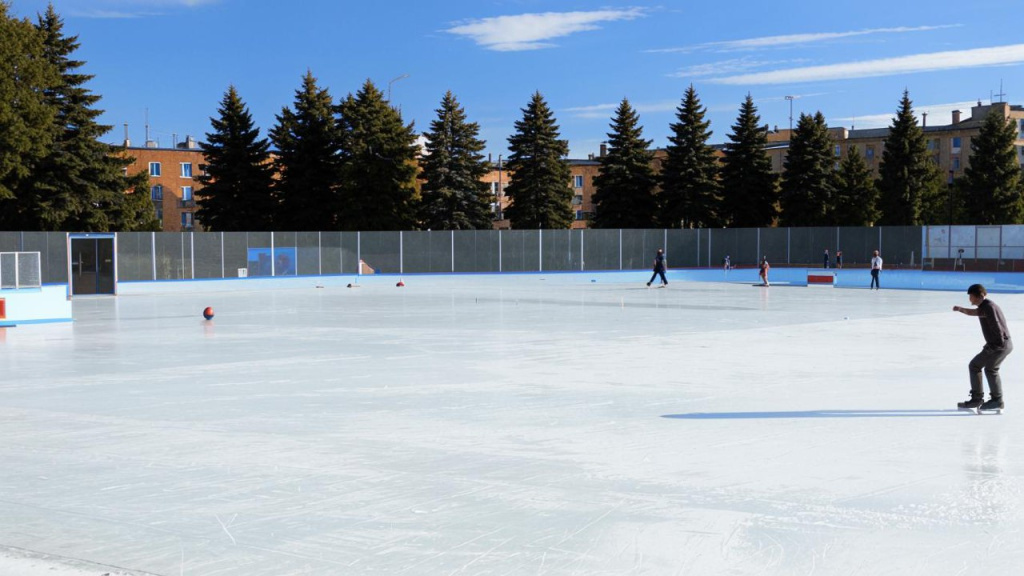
519, 424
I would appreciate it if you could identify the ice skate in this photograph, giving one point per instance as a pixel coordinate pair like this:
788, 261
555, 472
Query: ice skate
993, 406
972, 404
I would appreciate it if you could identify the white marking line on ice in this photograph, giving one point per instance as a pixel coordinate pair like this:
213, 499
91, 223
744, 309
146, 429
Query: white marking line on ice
225, 527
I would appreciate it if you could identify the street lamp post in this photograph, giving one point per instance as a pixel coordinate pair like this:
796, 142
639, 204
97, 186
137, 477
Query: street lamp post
499, 188
392, 81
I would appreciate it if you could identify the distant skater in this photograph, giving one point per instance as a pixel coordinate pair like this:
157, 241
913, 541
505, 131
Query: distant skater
876, 269
726, 262
659, 268
764, 271
825, 264
839, 259
997, 347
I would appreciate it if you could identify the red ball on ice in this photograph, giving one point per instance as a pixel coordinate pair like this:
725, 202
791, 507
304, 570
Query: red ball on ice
208, 313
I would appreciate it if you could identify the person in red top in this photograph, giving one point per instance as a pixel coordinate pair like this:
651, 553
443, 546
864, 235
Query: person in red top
997, 347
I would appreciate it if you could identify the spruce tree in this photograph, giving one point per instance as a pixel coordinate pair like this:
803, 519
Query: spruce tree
379, 174
455, 197
81, 184
908, 179
539, 189
690, 190
307, 162
749, 187
134, 210
27, 128
625, 195
808, 187
856, 192
992, 182
238, 179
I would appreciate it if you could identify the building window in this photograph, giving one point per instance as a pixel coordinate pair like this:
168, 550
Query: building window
160, 214
956, 162
186, 169
837, 151
869, 152
579, 214
956, 144
186, 220
156, 192
154, 169
186, 193
577, 181
577, 200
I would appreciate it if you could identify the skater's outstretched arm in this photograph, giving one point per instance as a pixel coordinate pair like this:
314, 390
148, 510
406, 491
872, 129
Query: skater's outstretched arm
967, 311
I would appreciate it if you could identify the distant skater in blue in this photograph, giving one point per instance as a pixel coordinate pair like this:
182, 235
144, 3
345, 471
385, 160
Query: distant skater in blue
659, 268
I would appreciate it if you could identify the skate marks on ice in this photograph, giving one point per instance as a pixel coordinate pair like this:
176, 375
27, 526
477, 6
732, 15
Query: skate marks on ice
818, 414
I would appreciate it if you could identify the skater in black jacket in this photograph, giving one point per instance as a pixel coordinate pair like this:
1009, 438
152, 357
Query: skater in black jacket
997, 347
659, 268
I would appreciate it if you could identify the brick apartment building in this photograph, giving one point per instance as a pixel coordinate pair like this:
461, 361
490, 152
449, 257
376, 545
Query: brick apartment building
172, 181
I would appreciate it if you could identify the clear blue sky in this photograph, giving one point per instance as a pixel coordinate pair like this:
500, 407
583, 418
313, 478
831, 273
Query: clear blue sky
849, 60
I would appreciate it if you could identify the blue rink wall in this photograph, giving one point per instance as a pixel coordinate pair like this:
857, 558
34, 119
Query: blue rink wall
849, 278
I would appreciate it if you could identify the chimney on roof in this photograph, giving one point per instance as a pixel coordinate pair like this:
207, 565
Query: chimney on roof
127, 140
956, 116
604, 149
924, 119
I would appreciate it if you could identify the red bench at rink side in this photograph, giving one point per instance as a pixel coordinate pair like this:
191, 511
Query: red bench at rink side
817, 277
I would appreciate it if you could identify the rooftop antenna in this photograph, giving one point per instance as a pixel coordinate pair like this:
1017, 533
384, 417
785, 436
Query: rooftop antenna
1001, 94
147, 126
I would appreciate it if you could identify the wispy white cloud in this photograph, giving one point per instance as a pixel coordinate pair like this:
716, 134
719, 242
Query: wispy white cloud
607, 111
932, 62
786, 40
127, 8
733, 66
535, 31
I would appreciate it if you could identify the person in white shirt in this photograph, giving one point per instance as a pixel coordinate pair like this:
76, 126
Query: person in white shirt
876, 269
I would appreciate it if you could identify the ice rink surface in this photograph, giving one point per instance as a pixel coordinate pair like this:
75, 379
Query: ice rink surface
505, 425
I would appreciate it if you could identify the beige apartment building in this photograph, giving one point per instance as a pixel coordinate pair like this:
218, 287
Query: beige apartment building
949, 144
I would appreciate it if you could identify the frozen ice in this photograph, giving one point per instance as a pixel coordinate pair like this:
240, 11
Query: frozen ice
509, 424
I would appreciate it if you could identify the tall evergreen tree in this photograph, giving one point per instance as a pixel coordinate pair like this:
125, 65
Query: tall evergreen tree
992, 182
81, 184
626, 184
808, 187
691, 195
455, 197
856, 193
238, 180
308, 162
908, 179
379, 190
134, 210
27, 128
750, 189
539, 190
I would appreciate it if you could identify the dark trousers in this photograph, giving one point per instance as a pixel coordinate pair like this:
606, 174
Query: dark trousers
989, 360
658, 271
874, 278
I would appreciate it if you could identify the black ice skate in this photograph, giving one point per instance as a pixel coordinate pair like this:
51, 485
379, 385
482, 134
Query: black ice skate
973, 404
994, 405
